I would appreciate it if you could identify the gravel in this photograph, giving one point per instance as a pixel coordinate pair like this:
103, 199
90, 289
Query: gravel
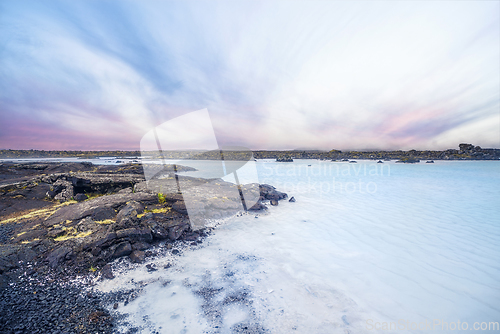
42, 303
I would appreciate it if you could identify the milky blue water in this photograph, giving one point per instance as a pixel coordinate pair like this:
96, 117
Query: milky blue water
365, 245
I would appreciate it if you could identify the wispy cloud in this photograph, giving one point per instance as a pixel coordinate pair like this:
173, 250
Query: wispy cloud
99, 75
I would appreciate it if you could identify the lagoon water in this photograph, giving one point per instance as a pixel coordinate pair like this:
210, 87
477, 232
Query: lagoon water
364, 246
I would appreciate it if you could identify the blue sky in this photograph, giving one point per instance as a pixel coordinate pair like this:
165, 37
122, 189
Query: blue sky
273, 75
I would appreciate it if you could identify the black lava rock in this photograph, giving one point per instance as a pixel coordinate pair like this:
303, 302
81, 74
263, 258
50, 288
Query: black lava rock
80, 197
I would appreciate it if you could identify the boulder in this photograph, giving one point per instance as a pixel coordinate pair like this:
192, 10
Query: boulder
140, 245
175, 232
57, 187
100, 242
270, 193
137, 256
85, 224
131, 210
64, 190
123, 249
258, 206
292, 199
274, 202
158, 230
135, 234
57, 256
168, 230
80, 197
107, 272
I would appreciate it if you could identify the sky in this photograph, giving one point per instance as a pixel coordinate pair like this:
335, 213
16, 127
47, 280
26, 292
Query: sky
98, 75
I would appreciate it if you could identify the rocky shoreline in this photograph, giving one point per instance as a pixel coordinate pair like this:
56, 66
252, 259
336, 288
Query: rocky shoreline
464, 152
62, 223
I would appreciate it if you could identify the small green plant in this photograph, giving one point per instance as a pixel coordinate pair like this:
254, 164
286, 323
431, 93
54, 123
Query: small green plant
93, 269
161, 198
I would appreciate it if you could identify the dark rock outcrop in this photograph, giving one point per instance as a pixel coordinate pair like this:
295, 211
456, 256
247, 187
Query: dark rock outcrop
58, 255
8, 257
102, 213
63, 191
140, 245
87, 208
107, 272
270, 193
122, 249
258, 206
90, 233
167, 229
137, 256
103, 182
128, 214
80, 197
135, 234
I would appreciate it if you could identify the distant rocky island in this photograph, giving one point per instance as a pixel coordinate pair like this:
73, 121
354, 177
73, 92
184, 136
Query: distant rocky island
464, 152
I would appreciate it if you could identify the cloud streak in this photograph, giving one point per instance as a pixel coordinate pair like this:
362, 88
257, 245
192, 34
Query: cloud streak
274, 75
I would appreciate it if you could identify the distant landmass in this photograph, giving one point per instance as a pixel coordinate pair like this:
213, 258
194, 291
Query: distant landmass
464, 152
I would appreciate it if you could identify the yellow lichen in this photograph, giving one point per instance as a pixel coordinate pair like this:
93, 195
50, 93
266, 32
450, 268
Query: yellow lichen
105, 222
92, 196
71, 233
161, 210
37, 213
27, 242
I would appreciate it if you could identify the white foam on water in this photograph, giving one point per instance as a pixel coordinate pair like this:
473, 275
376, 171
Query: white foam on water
361, 245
